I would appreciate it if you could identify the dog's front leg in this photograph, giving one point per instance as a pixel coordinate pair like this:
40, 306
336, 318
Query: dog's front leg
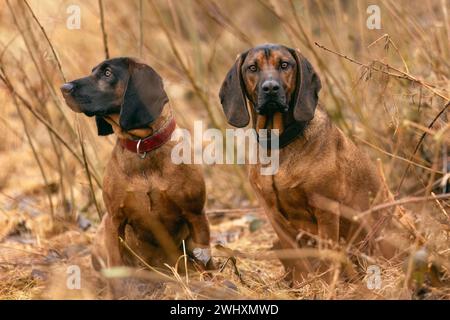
106, 252
106, 249
328, 228
198, 243
328, 232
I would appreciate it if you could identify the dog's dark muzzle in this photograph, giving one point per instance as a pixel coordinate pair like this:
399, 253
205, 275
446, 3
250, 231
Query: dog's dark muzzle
74, 100
271, 106
271, 98
67, 90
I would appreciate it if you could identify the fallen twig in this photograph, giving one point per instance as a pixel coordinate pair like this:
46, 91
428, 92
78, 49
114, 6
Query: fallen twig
402, 202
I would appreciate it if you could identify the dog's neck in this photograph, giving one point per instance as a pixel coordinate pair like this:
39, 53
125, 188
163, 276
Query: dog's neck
140, 133
288, 128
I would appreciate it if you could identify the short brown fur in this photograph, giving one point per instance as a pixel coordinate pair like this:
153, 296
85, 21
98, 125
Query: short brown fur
152, 204
320, 168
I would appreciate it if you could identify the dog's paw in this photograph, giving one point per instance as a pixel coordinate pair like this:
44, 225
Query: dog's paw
202, 254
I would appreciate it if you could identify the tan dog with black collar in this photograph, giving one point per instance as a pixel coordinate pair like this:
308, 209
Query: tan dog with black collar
319, 167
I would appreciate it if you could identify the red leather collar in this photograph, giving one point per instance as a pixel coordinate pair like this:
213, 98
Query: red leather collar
142, 146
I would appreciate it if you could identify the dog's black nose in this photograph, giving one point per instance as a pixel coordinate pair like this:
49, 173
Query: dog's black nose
67, 87
270, 86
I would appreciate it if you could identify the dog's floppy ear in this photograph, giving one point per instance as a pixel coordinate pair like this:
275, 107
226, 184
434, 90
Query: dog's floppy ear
232, 96
307, 92
103, 127
144, 97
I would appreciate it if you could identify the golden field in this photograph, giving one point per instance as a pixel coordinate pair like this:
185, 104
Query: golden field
388, 89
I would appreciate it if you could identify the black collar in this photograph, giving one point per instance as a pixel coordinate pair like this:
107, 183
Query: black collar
289, 134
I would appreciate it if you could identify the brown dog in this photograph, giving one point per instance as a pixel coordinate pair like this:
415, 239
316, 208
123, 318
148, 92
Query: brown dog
321, 172
152, 204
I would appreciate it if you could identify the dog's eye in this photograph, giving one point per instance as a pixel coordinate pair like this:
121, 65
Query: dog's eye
108, 73
284, 65
252, 68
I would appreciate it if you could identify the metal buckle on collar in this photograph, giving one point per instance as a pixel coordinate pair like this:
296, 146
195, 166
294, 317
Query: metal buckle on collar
141, 155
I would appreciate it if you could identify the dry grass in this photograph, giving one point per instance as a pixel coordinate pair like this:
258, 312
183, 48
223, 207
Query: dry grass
388, 89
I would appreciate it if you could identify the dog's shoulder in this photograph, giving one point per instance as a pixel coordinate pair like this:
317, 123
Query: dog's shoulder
320, 125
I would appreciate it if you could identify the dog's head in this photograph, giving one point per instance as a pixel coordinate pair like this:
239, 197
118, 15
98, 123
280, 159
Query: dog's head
118, 86
274, 79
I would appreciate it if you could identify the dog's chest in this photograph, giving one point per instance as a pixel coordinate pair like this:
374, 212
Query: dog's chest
139, 194
284, 190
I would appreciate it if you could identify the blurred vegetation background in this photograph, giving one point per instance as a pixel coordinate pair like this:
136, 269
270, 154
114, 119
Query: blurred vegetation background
387, 88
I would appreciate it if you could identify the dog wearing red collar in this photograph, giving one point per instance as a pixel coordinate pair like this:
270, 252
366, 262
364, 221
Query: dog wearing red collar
153, 206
